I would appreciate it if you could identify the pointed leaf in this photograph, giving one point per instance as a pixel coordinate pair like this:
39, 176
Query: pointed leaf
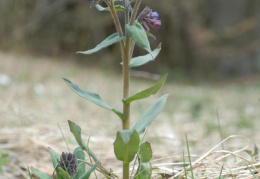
138, 34
148, 92
76, 131
146, 152
147, 118
55, 160
40, 174
93, 97
107, 42
88, 173
54, 157
126, 145
117, 8
141, 60
150, 35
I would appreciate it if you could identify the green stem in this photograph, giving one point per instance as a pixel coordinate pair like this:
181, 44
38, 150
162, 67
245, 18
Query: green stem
126, 73
126, 70
126, 171
126, 78
135, 10
126, 50
118, 26
125, 60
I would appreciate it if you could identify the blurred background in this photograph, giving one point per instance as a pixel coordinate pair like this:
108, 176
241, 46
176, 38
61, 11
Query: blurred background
203, 39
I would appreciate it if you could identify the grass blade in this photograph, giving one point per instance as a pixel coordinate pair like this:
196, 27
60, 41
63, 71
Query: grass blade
188, 149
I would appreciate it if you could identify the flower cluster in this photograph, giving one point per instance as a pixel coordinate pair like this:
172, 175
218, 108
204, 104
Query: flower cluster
147, 16
68, 162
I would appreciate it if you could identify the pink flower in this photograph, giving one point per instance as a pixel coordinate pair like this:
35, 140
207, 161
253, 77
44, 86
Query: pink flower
149, 17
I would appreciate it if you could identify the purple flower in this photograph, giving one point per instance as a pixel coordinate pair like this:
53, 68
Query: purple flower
147, 16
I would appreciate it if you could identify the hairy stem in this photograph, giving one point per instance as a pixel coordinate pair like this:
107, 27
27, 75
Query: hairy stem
135, 10
126, 71
118, 26
128, 53
126, 78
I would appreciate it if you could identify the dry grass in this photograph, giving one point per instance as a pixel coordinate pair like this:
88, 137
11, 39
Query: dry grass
37, 100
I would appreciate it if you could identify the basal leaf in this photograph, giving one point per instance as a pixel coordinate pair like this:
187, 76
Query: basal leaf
117, 8
55, 159
93, 97
88, 173
76, 131
146, 152
40, 174
141, 60
81, 165
126, 145
64, 173
80, 170
107, 42
148, 92
147, 118
138, 34
144, 171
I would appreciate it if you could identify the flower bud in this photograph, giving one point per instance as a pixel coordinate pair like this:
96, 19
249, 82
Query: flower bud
68, 162
147, 16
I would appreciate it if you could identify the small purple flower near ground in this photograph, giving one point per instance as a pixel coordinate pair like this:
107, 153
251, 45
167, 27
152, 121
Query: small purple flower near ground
147, 16
68, 162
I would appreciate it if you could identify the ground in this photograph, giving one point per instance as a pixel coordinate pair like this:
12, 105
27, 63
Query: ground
35, 105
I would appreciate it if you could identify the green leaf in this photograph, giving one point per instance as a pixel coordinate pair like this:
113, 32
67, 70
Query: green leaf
79, 154
148, 92
40, 174
64, 173
76, 131
107, 42
138, 34
141, 60
117, 8
126, 145
88, 173
147, 118
80, 171
146, 152
144, 171
55, 159
150, 35
81, 165
145, 168
94, 3
93, 97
